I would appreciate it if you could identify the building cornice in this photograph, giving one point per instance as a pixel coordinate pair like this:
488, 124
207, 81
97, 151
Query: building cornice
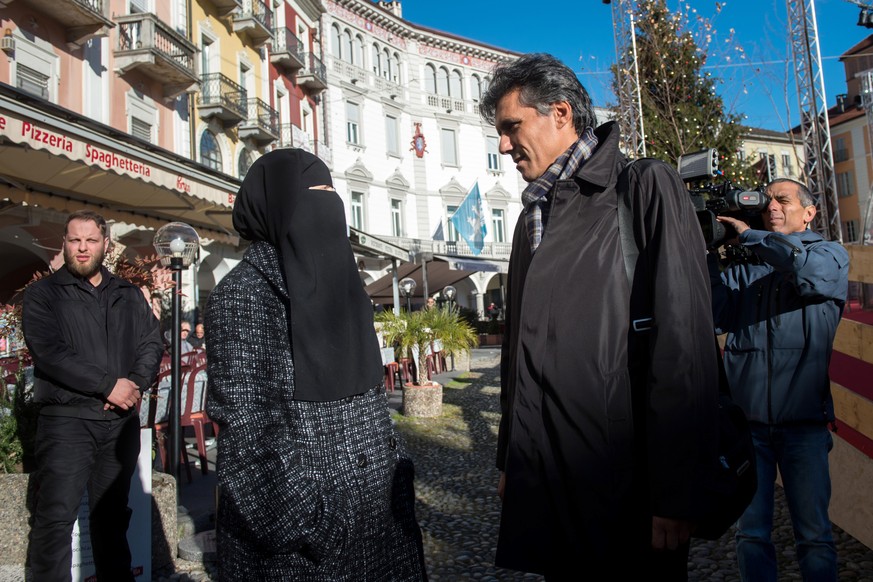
434, 39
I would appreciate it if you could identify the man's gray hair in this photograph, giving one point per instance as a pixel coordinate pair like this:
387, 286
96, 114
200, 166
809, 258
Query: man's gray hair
803, 193
542, 80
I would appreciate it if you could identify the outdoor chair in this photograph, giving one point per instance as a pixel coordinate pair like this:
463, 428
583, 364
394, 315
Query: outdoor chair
157, 417
391, 371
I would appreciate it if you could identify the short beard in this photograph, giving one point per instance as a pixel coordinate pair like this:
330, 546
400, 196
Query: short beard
87, 270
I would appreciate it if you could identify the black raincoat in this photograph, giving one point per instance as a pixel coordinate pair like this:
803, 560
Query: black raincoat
590, 454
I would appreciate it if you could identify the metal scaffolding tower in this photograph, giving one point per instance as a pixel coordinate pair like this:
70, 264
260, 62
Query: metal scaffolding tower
814, 126
630, 107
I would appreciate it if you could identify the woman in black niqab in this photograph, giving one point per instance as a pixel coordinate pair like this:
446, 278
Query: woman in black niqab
315, 480
333, 341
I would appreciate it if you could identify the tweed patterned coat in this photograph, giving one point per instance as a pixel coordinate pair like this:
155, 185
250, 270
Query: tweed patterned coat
308, 490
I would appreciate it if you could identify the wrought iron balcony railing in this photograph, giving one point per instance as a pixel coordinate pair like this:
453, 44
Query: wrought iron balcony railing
288, 50
146, 43
255, 18
221, 97
314, 75
262, 122
259, 10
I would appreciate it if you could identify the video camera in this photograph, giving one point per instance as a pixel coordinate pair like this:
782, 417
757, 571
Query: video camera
725, 199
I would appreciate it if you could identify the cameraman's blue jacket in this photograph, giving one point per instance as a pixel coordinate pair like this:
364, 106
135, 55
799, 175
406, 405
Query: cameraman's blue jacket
781, 317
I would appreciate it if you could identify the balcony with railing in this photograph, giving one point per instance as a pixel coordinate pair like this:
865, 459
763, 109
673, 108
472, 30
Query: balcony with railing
291, 136
448, 104
460, 248
147, 44
349, 72
313, 76
82, 19
388, 87
491, 250
261, 124
222, 99
288, 50
225, 7
364, 78
255, 19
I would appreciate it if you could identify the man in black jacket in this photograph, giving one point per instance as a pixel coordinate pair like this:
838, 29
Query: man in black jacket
602, 454
96, 346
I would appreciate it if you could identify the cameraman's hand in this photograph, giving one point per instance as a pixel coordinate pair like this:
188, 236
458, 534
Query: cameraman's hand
738, 225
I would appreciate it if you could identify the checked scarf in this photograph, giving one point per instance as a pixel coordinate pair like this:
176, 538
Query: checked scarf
536, 196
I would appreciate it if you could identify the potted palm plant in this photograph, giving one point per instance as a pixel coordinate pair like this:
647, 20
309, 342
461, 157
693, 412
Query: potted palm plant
414, 333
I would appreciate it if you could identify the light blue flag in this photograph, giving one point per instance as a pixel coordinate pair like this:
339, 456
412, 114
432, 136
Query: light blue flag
469, 220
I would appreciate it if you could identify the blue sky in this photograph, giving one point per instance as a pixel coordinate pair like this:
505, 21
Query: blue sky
579, 32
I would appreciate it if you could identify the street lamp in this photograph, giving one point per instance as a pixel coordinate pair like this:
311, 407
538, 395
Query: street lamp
407, 287
177, 245
450, 293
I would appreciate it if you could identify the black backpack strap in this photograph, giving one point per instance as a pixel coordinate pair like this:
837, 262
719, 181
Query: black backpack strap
631, 251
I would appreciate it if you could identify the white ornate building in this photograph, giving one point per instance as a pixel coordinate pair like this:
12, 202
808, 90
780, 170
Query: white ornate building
392, 84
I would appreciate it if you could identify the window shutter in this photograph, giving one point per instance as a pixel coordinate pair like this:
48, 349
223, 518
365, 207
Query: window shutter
32, 81
140, 129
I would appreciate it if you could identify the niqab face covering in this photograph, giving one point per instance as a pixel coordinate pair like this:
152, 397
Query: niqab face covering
333, 341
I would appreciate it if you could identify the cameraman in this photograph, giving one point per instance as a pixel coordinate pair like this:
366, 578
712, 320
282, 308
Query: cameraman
780, 316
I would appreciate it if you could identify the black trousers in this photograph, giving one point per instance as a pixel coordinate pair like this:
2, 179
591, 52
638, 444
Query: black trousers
72, 454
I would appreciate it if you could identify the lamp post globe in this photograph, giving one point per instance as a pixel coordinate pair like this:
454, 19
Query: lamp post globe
177, 244
407, 287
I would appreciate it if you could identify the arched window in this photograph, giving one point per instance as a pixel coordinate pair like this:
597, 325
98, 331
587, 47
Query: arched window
475, 87
347, 46
430, 79
395, 68
485, 82
358, 55
246, 158
455, 88
335, 43
386, 64
210, 155
442, 81
374, 58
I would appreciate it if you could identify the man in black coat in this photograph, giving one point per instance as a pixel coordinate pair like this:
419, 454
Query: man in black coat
601, 453
96, 345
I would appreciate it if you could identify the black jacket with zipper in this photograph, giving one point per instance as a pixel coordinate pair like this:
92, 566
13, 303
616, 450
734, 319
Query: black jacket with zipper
81, 349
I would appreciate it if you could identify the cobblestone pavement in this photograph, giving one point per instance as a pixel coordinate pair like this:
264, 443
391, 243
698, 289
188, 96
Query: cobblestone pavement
459, 511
